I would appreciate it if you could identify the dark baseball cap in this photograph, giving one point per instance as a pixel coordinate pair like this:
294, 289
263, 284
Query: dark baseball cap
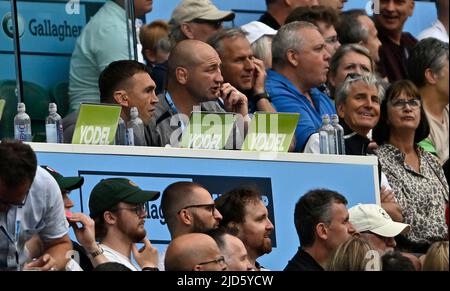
65, 183
109, 192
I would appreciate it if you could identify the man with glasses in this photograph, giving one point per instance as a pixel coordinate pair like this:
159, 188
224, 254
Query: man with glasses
194, 252
376, 226
187, 207
118, 207
30, 204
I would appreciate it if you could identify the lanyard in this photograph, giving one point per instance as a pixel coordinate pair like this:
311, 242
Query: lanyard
174, 109
15, 239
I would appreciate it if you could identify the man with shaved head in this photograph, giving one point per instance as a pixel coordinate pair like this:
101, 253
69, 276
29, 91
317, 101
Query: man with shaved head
188, 207
194, 83
194, 252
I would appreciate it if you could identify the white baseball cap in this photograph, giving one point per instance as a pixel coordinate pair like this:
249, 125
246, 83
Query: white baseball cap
256, 29
373, 218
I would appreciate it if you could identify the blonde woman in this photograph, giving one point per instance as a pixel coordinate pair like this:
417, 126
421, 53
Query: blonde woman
436, 258
355, 254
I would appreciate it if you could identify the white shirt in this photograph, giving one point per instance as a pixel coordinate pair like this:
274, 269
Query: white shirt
115, 256
437, 30
42, 214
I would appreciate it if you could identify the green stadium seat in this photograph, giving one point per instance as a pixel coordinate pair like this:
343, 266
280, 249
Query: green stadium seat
36, 100
59, 93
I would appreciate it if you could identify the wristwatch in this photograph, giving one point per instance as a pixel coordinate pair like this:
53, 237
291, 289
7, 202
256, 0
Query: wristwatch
260, 96
97, 252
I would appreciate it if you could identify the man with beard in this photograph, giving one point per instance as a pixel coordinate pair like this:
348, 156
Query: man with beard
117, 206
187, 207
245, 216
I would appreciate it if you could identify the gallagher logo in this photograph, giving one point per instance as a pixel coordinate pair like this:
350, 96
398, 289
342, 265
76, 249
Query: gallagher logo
7, 24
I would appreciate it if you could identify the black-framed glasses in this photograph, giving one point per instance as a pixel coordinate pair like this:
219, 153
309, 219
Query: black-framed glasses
211, 207
214, 23
401, 103
140, 209
18, 204
219, 261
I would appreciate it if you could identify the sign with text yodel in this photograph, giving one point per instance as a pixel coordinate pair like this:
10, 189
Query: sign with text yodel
96, 124
271, 132
208, 130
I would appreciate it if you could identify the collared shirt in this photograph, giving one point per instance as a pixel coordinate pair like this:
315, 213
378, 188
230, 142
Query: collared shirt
437, 30
269, 20
393, 57
287, 98
102, 41
42, 214
302, 261
421, 195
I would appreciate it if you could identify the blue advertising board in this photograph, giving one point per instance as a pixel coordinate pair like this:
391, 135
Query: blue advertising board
282, 179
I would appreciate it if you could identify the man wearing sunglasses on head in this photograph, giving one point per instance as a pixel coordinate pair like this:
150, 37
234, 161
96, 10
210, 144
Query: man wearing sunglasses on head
30, 204
118, 207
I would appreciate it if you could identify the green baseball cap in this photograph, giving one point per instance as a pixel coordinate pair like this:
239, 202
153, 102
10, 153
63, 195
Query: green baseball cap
109, 192
65, 183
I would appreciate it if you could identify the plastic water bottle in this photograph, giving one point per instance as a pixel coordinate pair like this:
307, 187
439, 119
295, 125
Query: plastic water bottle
339, 135
53, 125
135, 129
121, 133
22, 124
326, 137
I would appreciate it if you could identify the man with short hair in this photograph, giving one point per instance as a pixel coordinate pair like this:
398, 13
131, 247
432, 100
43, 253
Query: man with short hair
355, 26
396, 44
117, 206
376, 226
246, 216
232, 249
429, 70
322, 223
195, 82
30, 204
300, 65
102, 41
325, 18
127, 83
187, 207
358, 102
240, 68
194, 252
278, 11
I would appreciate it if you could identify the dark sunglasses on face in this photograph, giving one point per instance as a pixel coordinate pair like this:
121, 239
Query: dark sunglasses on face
214, 23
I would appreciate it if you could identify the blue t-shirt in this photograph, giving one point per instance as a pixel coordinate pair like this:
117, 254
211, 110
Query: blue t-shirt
287, 98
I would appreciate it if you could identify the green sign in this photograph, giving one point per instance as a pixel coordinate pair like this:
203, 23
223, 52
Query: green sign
271, 132
96, 124
2, 105
208, 130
